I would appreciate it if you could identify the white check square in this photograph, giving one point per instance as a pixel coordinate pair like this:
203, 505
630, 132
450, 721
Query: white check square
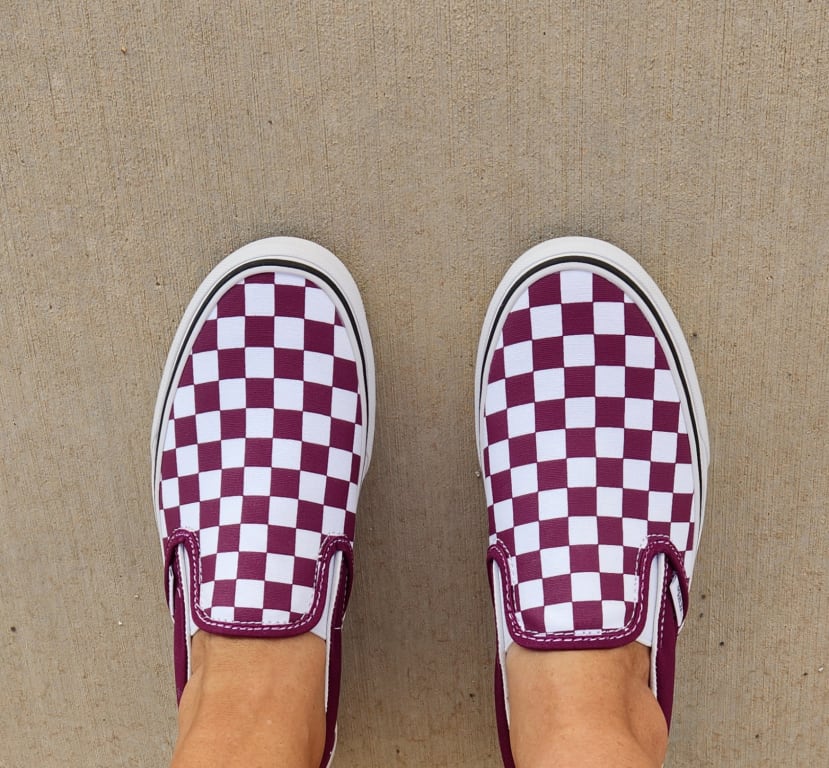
288, 394
230, 510
609, 502
611, 558
319, 368
339, 463
209, 542
663, 446
610, 442
289, 333
609, 318
253, 537
250, 593
316, 428
257, 481
548, 384
169, 493
230, 332
526, 538
279, 568
342, 345
227, 566
282, 512
301, 598
208, 427
518, 358
205, 366
546, 321
232, 394
498, 456
664, 388
559, 617
638, 413
640, 351
318, 306
524, 479
185, 402
585, 586
580, 412
187, 460
579, 350
343, 404
210, 485
286, 454
610, 381
553, 504
333, 521
581, 472
259, 300
555, 561
190, 516
521, 420
576, 286
496, 397
636, 474
259, 422
531, 594
307, 544
259, 362
501, 511
233, 452
613, 613
551, 444
312, 487
683, 478
583, 530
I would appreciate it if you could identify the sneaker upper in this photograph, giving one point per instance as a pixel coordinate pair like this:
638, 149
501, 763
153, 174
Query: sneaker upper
262, 452
588, 461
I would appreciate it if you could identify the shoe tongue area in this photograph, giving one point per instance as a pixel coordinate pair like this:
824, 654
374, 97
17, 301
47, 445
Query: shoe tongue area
661, 593
181, 609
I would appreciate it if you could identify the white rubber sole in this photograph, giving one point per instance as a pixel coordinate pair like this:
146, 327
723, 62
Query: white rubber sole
288, 254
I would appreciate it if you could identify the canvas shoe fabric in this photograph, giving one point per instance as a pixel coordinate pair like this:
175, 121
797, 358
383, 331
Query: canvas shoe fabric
261, 438
594, 451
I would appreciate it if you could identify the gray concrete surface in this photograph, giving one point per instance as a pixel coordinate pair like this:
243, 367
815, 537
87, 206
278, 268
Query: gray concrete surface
428, 144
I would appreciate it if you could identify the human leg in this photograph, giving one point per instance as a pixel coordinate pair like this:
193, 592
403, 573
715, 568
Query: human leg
252, 703
580, 709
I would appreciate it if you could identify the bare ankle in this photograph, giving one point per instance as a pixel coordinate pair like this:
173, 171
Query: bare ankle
252, 702
584, 708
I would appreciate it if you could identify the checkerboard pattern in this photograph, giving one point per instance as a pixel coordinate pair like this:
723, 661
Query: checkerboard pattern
586, 453
263, 448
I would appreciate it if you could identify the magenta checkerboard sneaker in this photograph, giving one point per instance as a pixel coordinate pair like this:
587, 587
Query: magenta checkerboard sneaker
261, 438
594, 449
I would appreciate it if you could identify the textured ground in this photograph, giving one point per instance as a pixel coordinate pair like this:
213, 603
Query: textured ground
427, 144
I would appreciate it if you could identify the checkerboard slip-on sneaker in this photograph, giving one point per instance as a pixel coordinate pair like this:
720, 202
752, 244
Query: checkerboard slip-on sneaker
261, 438
594, 450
